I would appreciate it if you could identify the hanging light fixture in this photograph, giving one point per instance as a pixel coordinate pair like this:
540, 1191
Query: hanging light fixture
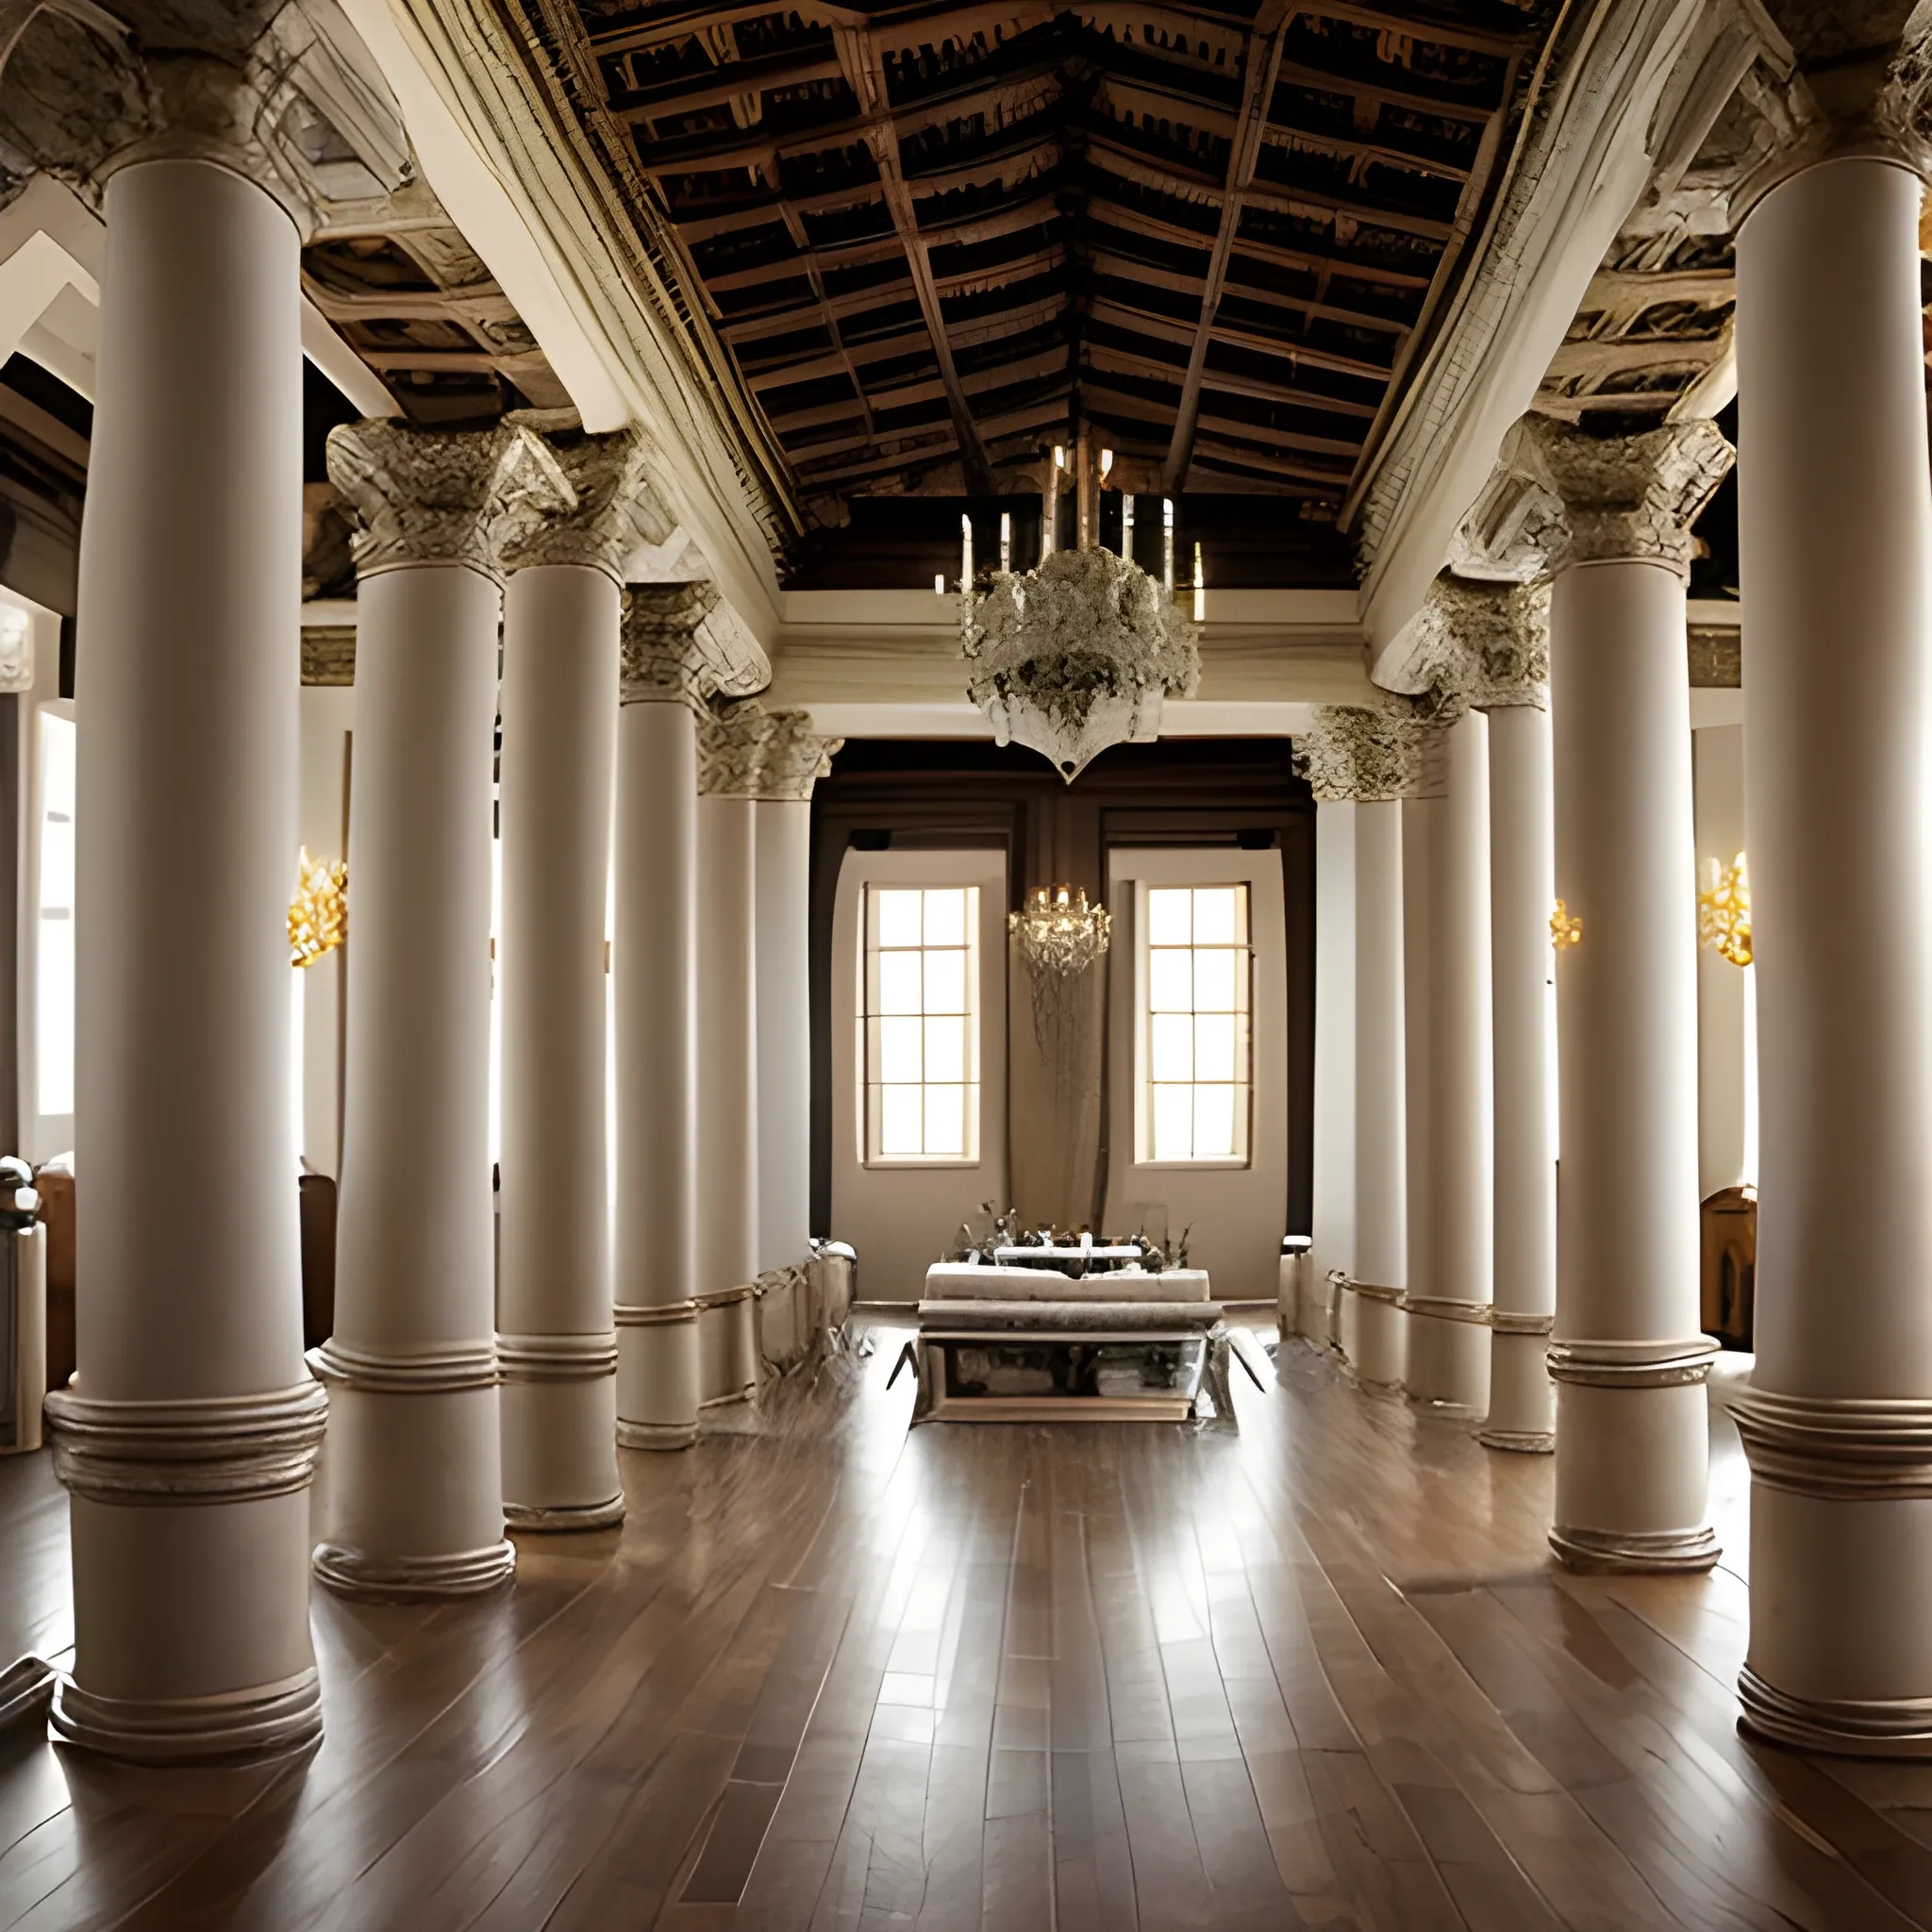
1080, 652
1724, 911
1060, 933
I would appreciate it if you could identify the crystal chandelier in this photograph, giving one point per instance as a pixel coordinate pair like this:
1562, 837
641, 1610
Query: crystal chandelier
1080, 652
1059, 934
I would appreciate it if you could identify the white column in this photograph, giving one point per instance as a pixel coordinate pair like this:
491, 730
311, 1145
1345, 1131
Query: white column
556, 1345
727, 1062
1422, 844
1449, 1288
1837, 557
1726, 1130
1629, 1360
415, 1496
790, 761
1522, 1403
680, 645
1370, 758
189, 1443
1332, 1247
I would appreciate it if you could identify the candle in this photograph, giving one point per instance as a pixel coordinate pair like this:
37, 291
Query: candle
1006, 540
1167, 545
1128, 527
1200, 590
965, 553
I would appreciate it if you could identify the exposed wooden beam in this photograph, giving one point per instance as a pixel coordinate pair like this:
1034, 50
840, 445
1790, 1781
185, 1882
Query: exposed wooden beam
1260, 62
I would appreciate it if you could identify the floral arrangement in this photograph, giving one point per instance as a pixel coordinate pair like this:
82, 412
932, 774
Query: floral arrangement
1075, 654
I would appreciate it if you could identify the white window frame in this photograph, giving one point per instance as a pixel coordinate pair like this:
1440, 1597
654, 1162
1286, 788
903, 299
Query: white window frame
870, 1090
1144, 1031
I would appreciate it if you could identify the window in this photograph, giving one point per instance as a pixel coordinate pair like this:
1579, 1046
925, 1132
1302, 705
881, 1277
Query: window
922, 1034
54, 962
1195, 1051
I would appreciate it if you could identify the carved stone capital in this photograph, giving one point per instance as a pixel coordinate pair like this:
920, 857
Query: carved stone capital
1482, 645
1560, 497
746, 751
1355, 754
443, 495
616, 509
682, 644
90, 93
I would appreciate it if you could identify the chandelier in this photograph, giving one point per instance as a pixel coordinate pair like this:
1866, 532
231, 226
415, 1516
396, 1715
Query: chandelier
1059, 934
319, 912
1080, 652
1724, 911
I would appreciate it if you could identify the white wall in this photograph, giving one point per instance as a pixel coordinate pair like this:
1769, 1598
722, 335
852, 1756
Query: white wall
328, 719
42, 1135
1334, 1150
1726, 1097
900, 1219
1237, 1214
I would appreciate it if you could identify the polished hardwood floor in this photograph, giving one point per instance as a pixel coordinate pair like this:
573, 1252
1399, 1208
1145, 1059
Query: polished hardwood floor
834, 1675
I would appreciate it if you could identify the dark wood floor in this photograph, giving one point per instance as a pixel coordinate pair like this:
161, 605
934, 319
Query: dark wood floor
835, 1674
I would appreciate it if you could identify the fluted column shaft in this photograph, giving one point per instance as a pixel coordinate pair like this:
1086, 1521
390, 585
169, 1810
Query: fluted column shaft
679, 646
1837, 551
188, 1443
1372, 758
1522, 890
415, 1499
1450, 1287
555, 1344
728, 1098
781, 922
1608, 519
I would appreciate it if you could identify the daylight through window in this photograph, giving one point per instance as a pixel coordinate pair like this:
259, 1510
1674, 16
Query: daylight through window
921, 1035
1196, 1058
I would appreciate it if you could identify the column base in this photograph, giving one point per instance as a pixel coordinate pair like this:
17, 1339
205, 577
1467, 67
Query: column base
656, 1435
415, 1486
1381, 1335
271, 1721
1633, 1454
658, 1376
1894, 1728
189, 1523
560, 1413
371, 1578
728, 1345
1523, 1399
566, 1516
1840, 1652
1650, 1551
1449, 1353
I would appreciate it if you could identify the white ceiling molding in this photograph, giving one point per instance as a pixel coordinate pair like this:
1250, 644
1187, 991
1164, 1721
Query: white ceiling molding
887, 664
512, 188
1640, 84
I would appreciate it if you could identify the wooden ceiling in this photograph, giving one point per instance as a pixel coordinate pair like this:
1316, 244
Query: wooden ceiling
933, 239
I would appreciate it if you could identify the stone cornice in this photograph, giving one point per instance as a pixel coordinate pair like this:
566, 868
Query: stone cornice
1481, 645
616, 509
682, 644
442, 495
1560, 497
746, 751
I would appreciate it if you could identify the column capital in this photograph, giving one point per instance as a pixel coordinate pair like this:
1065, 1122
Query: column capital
287, 110
682, 644
1482, 646
746, 751
443, 495
616, 507
1560, 497
1853, 80
1363, 755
